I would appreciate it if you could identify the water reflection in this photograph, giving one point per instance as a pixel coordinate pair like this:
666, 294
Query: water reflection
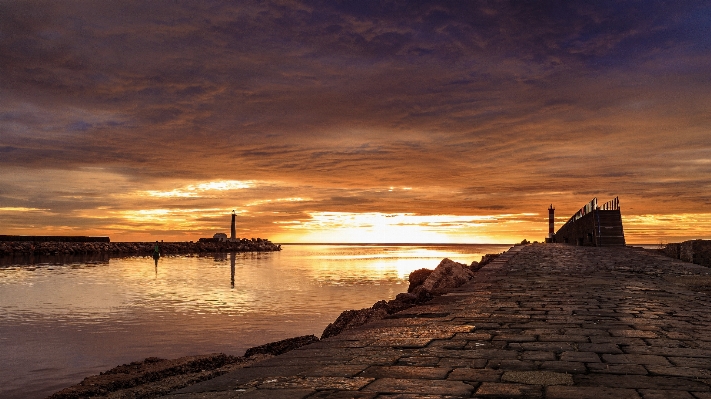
232, 270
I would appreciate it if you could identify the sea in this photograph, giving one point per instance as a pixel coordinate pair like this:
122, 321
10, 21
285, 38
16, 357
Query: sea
64, 318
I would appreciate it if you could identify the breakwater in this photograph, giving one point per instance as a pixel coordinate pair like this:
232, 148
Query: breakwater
133, 248
693, 251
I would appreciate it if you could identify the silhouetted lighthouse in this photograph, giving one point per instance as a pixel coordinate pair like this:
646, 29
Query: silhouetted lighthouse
551, 232
232, 230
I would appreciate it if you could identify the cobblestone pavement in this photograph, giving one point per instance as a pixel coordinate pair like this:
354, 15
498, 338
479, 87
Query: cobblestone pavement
542, 321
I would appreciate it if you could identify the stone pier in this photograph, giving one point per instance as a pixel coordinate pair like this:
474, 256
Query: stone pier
542, 321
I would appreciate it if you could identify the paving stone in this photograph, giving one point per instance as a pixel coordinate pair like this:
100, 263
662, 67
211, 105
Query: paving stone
563, 338
462, 362
343, 395
428, 387
477, 375
514, 338
563, 367
538, 355
511, 364
587, 357
679, 371
556, 347
640, 382
607, 368
407, 372
315, 383
600, 348
415, 396
664, 394
277, 394
566, 392
421, 361
506, 390
537, 378
336, 370
690, 361
636, 359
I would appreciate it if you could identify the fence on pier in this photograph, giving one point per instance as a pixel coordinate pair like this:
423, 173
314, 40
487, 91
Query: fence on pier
594, 225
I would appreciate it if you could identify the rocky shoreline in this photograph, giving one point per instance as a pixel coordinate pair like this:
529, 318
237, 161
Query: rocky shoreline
154, 377
8, 248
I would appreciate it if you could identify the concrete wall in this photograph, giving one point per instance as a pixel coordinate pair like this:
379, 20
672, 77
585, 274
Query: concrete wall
694, 251
597, 228
579, 232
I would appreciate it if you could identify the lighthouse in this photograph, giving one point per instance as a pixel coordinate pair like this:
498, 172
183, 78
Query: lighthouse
232, 231
551, 232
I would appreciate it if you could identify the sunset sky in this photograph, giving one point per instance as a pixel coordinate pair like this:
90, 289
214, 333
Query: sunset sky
353, 121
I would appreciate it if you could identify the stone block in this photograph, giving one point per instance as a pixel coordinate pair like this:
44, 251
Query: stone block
640, 382
600, 348
665, 394
475, 375
586, 357
679, 371
504, 390
563, 367
538, 355
422, 387
566, 392
636, 359
537, 378
511, 364
625, 369
406, 372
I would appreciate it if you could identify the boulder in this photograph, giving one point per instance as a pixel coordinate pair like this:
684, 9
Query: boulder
354, 318
448, 274
418, 277
283, 346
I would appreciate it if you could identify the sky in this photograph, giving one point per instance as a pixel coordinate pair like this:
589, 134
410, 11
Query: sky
353, 121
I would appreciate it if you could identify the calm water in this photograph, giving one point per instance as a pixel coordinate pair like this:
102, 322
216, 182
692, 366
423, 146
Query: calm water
63, 319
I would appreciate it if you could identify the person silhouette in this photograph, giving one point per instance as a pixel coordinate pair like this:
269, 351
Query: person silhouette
156, 253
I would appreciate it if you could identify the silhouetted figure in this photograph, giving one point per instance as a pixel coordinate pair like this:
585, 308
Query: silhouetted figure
156, 253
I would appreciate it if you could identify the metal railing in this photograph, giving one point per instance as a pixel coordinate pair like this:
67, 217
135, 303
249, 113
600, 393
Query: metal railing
611, 205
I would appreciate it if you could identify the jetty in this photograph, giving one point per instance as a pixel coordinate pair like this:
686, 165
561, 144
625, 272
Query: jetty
547, 321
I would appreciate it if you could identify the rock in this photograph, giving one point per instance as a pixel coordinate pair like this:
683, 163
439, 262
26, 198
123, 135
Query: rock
448, 274
418, 277
283, 346
486, 259
148, 371
353, 318
475, 266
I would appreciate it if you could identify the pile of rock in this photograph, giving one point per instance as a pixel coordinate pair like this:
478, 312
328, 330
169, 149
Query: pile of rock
138, 248
424, 285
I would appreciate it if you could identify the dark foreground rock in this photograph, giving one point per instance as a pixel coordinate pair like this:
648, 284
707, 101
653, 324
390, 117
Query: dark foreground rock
154, 377
283, 346
424, 285
137, 248
151, 377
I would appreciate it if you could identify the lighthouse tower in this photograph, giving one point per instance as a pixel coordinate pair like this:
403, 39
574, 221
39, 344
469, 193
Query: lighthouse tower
232, 230
551, 232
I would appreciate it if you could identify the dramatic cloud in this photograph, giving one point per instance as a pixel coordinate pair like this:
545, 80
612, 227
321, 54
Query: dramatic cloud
156, 119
